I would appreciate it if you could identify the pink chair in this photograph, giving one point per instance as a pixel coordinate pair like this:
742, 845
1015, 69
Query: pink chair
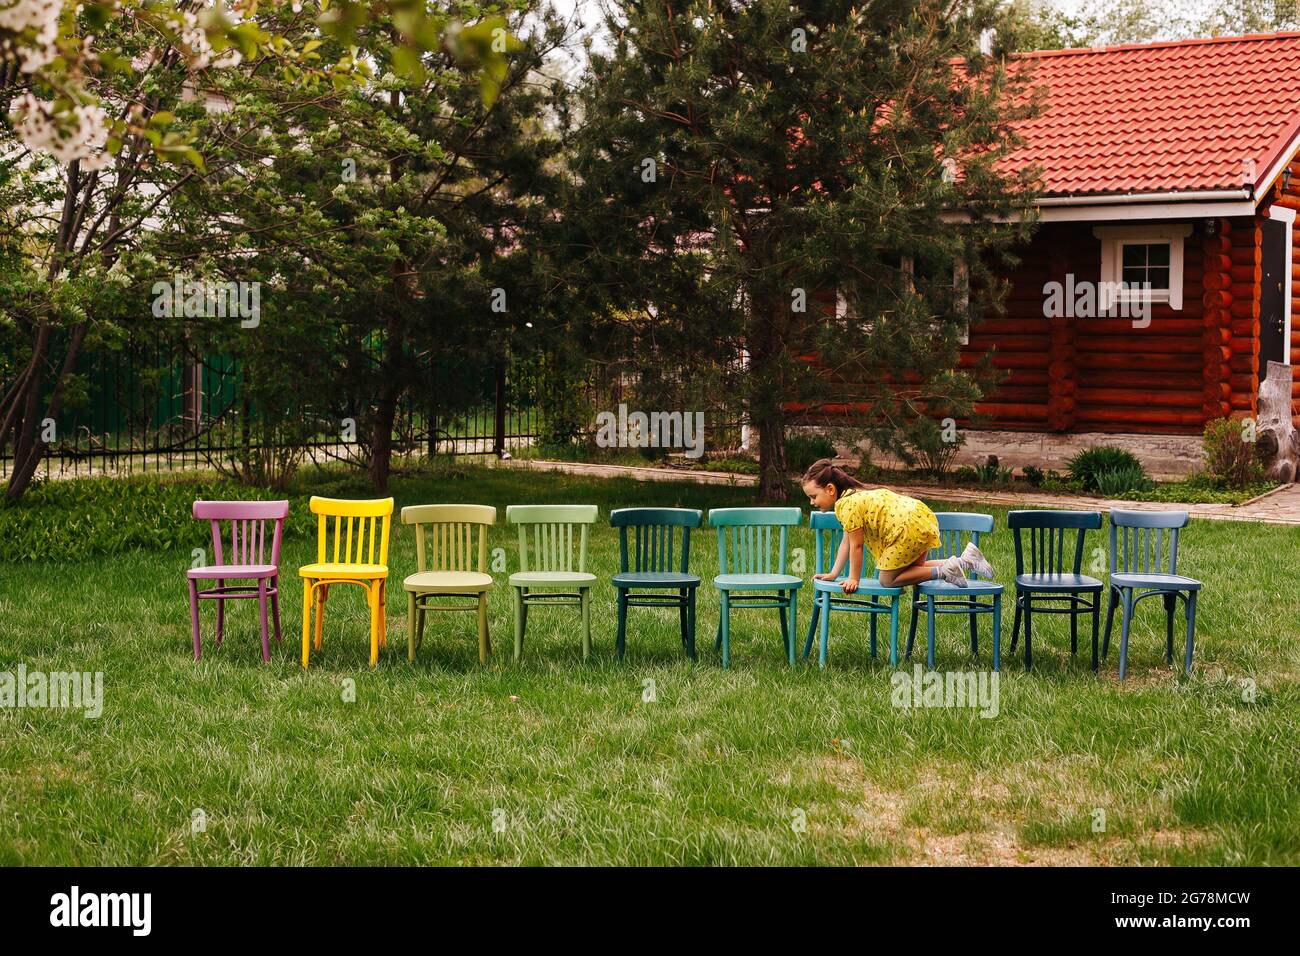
248, 562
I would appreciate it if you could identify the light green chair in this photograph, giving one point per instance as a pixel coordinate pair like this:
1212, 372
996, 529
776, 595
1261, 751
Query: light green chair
549, 563
749, 577
451, 564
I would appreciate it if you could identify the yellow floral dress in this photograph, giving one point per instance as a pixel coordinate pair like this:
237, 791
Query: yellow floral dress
897, 529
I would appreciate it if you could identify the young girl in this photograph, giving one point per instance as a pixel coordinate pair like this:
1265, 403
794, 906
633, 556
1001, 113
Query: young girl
897, 529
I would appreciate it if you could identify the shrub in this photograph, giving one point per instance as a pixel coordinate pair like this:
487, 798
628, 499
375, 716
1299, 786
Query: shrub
1123, 479
921, 443
1087, 465
991, 473
1033, 474
802, 450
966, 474
1055, 481
1230, 460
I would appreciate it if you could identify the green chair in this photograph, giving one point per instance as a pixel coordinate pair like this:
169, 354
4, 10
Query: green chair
449, 564
653, 568
751, 579
549, 564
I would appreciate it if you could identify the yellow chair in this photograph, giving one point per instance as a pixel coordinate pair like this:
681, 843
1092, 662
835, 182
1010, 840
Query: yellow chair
451, 562
355, 564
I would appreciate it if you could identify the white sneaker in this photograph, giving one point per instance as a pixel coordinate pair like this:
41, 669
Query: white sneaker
973, 559
952, 571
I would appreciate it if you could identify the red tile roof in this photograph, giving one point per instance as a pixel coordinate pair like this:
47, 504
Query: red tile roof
1163, 117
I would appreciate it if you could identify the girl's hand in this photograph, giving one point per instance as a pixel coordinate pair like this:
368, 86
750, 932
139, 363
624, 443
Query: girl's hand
823, 577
850, 585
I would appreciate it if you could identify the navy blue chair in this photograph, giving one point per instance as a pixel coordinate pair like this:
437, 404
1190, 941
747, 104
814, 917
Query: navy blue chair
940, 597
829, 595
1047, 581
658, 574
1130, 574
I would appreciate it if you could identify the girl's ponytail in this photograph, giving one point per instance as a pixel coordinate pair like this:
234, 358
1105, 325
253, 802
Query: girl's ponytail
825, 472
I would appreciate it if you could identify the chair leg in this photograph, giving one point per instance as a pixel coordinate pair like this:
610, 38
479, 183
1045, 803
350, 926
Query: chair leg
929, 631
1125, 621
484, 638
893, 631
681, 614
621, 637
911, 628
194, 616
1074, 629
420, 611
275, 606
1110, 620
690, 624
586, 621
973, 617
812, 625
372, 601
1170, 600
1189, 610
794, 624
306, 619
1029, 630
410, 626
383, 613
997, 632
872, 635
221, 616
1015, 625
1096, 620
261, 609
516, 604
724, 630
717, 640
783, 611
322, 594
824, 630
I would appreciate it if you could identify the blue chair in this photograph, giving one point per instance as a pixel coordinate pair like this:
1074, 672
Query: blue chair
940, 597
750, 579
1127, 579
1047, 581
829, 595
656, 566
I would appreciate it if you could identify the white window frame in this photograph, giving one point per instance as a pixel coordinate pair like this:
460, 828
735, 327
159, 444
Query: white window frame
960, 286
1115, 238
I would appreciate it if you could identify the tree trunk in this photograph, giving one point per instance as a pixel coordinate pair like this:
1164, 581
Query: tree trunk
390, 390
767, 392
1277, 439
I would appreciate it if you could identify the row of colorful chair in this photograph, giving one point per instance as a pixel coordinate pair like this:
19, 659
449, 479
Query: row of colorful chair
654, 570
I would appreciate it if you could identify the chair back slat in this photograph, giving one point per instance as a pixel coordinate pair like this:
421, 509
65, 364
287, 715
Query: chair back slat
248, 522
1047, 541
1142, 526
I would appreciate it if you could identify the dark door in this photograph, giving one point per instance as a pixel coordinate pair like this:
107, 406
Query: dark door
1272, 297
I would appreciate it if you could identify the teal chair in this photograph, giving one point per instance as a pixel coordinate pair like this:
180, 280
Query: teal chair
1047, 583
940, 597
747, 575
1129, 575
829, 595
550, 564
654, 565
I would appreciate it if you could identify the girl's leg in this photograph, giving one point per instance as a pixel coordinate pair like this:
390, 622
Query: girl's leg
915, 573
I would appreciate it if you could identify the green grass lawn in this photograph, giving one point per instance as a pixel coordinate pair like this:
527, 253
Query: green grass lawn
559, 761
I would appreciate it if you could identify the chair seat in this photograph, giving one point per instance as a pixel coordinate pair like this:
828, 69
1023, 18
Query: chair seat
450, 582
1158, 582
757, 582
865, 586
342, 570
221, 571
1057, 582
535, 579
944, 589
655, 579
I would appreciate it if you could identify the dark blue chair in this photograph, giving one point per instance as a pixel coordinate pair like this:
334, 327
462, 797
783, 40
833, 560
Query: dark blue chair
1047, 580
940, 597
654, 567
829, 595
1130, 574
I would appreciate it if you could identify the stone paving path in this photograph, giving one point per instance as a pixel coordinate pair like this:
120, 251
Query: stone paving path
1277, 507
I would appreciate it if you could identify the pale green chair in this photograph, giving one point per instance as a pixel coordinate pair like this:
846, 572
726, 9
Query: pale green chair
450, 564
549, 564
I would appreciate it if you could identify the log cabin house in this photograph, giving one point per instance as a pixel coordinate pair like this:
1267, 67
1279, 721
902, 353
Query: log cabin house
1171, 163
